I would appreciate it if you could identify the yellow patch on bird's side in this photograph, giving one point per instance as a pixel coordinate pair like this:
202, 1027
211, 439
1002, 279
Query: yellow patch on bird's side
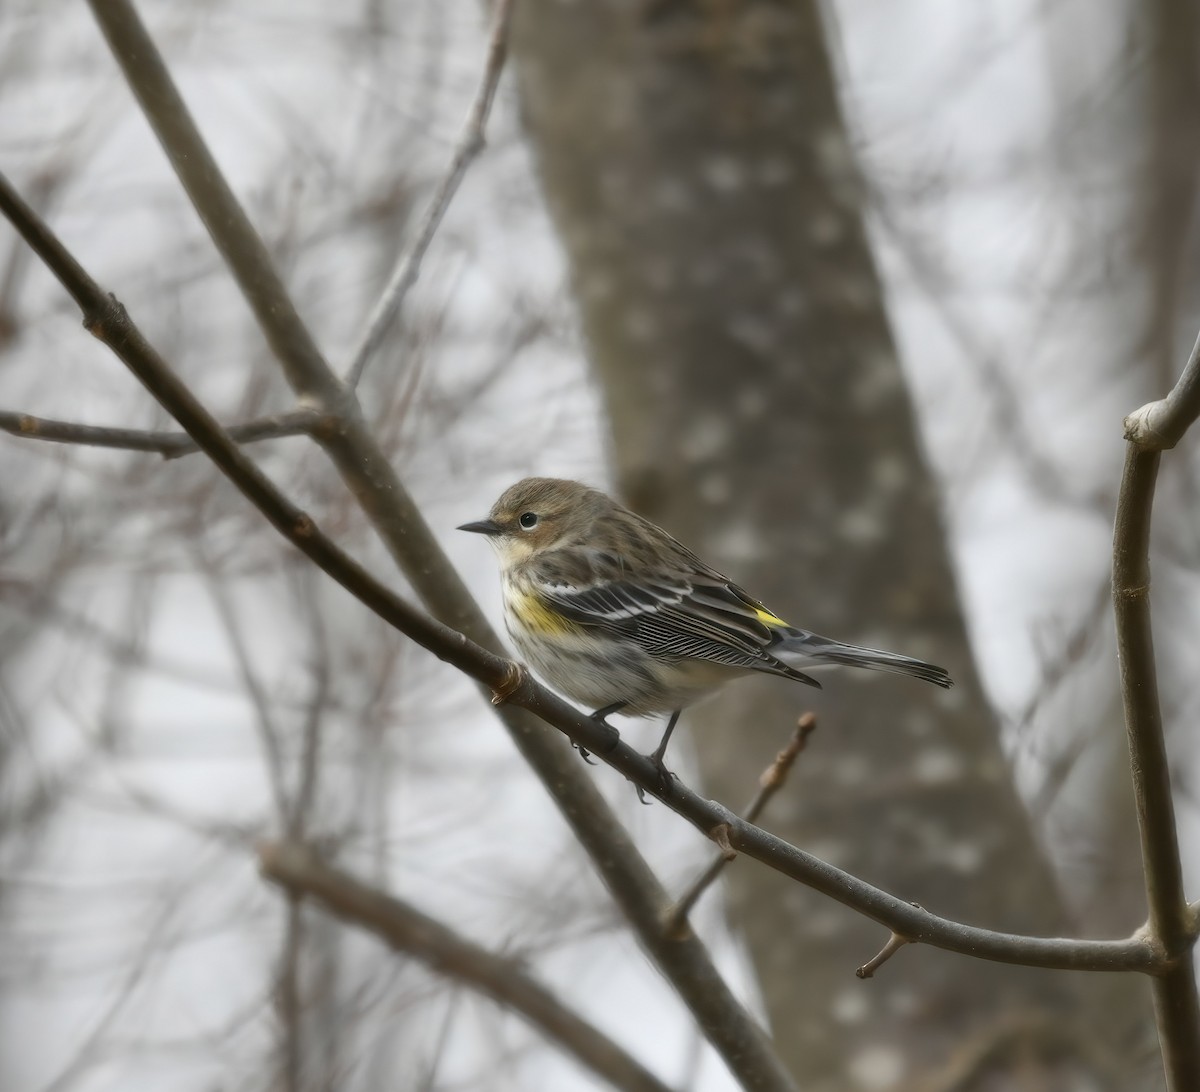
536, 617
768, 619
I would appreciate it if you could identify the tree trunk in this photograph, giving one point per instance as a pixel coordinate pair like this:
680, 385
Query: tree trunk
696, 164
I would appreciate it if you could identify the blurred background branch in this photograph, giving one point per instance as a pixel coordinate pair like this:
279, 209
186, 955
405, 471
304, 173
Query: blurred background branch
862, 294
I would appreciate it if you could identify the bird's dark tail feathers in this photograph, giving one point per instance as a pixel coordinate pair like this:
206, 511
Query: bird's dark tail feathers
806, 650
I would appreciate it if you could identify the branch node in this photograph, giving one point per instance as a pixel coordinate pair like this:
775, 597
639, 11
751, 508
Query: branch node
326, 427
720, 835
1143, 426
1193, 919
514, 676
474, 144
675, 923
101, 322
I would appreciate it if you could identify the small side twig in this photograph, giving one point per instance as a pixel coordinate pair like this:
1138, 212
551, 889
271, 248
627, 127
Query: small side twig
267, 729
312, 737
470, 144
720, 835
894, 944
168, 443
769, 783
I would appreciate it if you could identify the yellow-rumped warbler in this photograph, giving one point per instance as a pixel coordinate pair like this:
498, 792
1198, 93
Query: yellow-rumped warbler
613, 612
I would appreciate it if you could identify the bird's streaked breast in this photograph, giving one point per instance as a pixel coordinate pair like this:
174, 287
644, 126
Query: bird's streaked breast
531, 613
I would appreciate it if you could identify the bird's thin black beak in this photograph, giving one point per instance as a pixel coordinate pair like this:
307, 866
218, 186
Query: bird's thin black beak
483, 527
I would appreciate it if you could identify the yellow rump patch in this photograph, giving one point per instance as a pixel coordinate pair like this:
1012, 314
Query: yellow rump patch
768, 619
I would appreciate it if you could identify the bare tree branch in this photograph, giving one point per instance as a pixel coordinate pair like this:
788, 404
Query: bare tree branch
1150, 430
169, 444
470, 144
770, 782
685, 961
297, 869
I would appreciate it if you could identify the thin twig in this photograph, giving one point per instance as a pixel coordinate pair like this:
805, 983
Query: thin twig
685, 962
289, 1004
769, 783
504, 980
894, 943
1177, 1007
169, 443
305, 795
470, 144
289, 998
268, 731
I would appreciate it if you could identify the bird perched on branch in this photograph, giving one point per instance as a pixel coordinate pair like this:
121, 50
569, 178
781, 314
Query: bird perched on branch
610, 610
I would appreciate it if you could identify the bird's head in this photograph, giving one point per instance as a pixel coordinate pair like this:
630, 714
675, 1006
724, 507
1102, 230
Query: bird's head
538, 514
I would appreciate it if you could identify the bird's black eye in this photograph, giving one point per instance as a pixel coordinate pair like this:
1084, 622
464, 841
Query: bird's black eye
528, 520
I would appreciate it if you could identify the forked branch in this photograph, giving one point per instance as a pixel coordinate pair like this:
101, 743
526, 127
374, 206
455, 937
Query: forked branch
770, 782
1171, 927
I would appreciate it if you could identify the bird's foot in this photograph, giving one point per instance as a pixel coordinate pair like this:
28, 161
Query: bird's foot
665, 777
656, 758
599, 718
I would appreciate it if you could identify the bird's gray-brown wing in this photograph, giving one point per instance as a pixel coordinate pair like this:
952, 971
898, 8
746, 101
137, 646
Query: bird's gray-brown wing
672, 613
